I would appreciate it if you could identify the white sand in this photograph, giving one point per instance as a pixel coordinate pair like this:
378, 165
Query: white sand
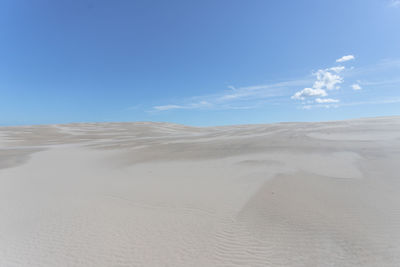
156, 194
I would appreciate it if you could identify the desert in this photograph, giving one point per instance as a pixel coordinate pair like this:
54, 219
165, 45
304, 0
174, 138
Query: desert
163, 194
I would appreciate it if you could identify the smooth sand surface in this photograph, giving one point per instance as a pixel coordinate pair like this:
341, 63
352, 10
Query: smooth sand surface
158, 194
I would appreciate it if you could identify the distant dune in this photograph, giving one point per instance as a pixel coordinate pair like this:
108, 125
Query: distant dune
159, 194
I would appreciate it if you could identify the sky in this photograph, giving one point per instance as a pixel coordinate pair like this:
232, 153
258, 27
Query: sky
198, 63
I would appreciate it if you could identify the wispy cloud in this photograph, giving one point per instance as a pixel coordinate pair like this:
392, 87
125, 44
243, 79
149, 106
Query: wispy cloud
236, 97
323, 105
382, 66
195, 105
168, 107
356, 86
392, 100
345, 58
394, 3
382, 82
326, 100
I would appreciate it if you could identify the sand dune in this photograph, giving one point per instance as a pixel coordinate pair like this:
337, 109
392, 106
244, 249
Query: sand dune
159, 194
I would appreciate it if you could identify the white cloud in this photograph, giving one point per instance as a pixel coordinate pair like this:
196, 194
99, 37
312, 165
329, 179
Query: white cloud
345, 58
356, 86
314, 96
301, 95
327, 80
326, 100
314, 93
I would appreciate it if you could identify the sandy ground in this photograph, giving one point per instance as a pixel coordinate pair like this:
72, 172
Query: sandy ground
158, 194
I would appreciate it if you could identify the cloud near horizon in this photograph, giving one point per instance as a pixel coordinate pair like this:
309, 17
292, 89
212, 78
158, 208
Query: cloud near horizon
325, 82
235, 97
168, 107
250, 96
301, 95
188, 106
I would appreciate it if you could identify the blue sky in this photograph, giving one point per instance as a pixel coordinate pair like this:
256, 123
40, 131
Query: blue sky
198, 62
